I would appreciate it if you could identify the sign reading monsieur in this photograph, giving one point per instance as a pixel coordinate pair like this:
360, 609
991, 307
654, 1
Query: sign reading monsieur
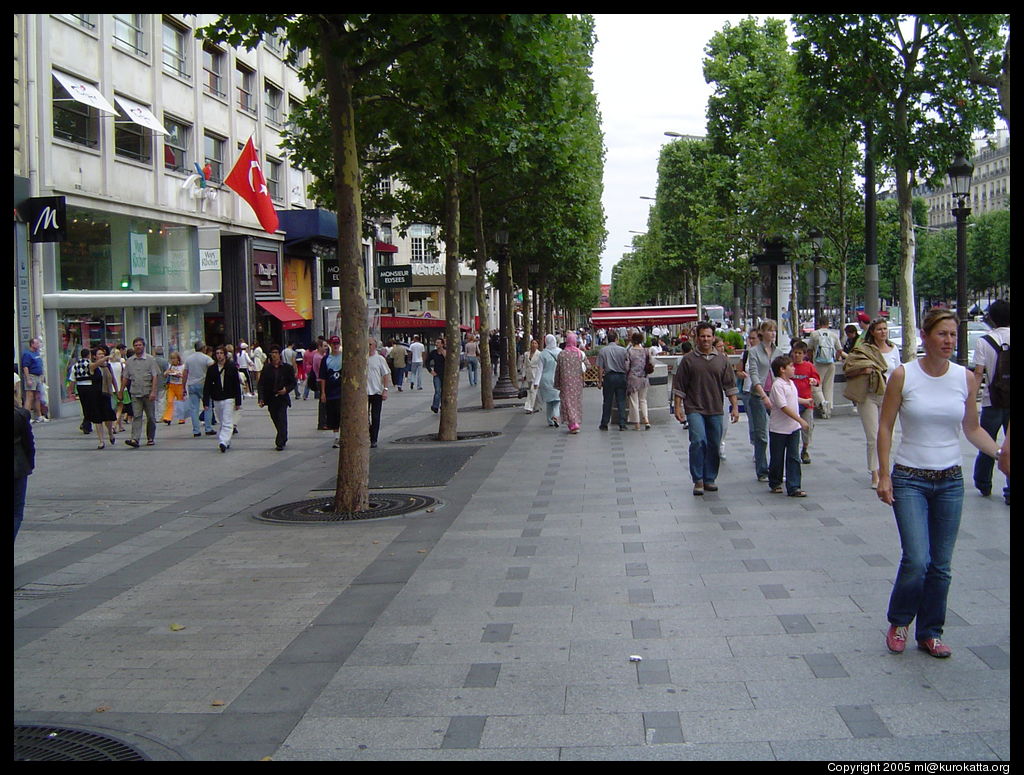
394, 276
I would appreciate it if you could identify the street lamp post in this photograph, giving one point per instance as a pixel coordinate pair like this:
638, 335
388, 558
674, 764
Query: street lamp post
504, 388
960, 180
816, 239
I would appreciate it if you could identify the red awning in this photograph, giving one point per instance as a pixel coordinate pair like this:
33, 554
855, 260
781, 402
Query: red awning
384, 247
405, 322
289, 318
604, 317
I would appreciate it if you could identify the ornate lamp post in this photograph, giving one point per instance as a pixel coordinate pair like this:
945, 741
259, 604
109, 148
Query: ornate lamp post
817, 282
960, 180
504, 388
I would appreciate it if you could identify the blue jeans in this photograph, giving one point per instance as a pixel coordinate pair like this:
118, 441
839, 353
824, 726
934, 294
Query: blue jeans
785, 452
992, 419
928, 517
614, 388
195, 406
757, 418
472, 367
20, 489
705, 440
414, 374
436, 403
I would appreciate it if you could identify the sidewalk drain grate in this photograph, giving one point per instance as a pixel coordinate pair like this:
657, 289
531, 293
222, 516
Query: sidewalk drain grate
60, 744
321, 510
431, 438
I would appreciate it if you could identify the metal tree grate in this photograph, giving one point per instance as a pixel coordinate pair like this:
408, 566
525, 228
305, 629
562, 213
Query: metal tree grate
60, 744
431, 438
321, 510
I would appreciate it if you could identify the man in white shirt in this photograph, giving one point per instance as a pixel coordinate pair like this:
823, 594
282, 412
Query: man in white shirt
378, 380
994, 414
416, 362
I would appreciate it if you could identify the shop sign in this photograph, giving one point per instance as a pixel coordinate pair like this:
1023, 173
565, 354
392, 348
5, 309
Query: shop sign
209, 259
266, 275
139, 251
394, 277
46, 217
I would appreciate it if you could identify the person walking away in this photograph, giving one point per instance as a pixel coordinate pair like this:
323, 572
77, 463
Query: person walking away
637, 381
784, 428
753, 338
330, 388
143, 380
569, 381
33, 379
100, 406
759, 366
313, 359
277, 380
612, 365
396, 359
547, 393
244, 363
24, 456
806, 379
194, 378
531, 367
701, 378
416, 362
825, 352
435, 364
473, 359
992, 362
223, 387
720, 349
81, 377
867, 368
259, 359
378, 379
934, 399
174, 375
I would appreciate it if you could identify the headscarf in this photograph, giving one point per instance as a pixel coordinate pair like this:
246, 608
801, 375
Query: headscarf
570, 342
551, 344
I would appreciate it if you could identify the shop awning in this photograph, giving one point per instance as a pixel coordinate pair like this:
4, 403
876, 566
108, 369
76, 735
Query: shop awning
409, 323
140, 114
616, 317
384, 247
289, 318
83, 92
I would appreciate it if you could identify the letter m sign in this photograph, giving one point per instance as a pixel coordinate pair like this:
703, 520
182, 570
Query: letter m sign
46, 217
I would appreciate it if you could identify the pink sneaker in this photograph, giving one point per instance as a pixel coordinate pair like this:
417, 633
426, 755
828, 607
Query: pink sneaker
935, 647
896, 639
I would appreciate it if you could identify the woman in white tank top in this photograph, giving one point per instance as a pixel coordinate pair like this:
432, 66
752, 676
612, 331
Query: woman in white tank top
934, 399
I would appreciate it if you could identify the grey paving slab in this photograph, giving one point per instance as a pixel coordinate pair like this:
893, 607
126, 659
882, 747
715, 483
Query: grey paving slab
500, 627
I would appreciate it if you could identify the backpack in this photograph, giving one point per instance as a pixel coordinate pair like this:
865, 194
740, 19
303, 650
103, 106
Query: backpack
999, 380
826, 350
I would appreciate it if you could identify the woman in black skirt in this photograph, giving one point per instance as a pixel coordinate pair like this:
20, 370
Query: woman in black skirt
99, 409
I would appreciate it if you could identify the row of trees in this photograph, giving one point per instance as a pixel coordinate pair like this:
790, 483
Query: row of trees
490, 122
792, 130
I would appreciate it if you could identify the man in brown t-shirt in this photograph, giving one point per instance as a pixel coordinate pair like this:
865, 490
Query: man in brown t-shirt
697, 387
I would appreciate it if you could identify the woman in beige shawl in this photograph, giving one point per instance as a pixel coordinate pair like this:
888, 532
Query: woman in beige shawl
866, 370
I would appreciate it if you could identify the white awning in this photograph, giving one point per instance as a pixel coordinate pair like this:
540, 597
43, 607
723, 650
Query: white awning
84, 92
104, 299
140, 114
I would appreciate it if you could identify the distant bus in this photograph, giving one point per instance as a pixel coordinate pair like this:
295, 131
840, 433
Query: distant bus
715, 313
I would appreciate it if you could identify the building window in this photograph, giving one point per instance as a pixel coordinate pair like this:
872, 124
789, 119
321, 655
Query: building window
421, 238
213, 152
87, 20
176, 48
274, 168
246, 85
273, 42
132, 141
384, 186
176, 145
129, 32
72, 120
424, 301
272, 98
384, 233
213, 70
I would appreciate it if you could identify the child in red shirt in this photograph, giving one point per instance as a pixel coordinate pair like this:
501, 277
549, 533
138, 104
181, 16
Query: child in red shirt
805, 378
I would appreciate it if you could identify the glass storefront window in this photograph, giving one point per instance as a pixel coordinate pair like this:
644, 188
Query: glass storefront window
86, 328
424, 301
107, 251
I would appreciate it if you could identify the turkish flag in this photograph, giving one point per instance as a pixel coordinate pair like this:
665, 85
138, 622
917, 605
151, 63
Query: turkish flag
246, 179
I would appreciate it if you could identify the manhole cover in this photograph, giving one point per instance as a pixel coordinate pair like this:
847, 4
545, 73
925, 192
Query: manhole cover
321, 510
60, 744
432, 437
496, 406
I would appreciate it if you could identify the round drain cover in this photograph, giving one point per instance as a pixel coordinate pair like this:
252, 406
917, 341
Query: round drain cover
431, 438
321, 510
60, 744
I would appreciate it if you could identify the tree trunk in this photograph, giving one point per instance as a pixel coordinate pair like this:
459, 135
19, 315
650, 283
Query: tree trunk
486, 375
448, 426
352, 490
908, 254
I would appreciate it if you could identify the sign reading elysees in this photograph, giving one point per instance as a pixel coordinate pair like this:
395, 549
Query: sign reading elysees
394, 276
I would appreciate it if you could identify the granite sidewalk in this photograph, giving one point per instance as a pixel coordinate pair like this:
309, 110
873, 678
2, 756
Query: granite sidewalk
152, 607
